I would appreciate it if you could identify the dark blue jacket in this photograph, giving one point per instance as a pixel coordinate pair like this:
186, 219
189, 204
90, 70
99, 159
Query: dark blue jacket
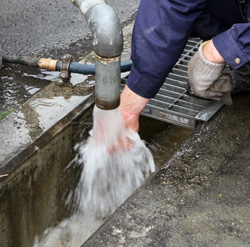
162, 28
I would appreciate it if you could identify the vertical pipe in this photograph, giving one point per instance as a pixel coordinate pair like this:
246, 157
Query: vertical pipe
108, 45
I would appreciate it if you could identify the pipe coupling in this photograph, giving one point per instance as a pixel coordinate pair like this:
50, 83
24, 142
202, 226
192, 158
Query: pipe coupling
48, 64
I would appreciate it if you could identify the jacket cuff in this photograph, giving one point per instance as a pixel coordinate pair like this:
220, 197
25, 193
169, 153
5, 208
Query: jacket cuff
142, 86
229, 50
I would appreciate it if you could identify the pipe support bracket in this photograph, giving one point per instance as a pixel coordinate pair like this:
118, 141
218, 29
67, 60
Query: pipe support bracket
66, 60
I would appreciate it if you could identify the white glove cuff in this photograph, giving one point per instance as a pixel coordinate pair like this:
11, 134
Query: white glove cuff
211, 70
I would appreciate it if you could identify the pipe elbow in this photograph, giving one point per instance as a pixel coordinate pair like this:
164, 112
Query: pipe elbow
104, 25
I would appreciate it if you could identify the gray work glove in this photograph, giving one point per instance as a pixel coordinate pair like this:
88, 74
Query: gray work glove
224, 85
207, 80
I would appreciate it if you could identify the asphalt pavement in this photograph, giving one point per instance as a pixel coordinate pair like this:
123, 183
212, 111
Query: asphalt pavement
41, 26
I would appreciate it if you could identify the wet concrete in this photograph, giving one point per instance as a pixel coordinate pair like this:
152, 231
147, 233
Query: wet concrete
201, 197
35, 122
34, 197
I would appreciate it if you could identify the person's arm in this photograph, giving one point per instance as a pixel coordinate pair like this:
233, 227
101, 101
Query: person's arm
160, 33
212, 54
234, 45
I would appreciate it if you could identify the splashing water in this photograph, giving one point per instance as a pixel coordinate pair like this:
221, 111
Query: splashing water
112, 169
115, 163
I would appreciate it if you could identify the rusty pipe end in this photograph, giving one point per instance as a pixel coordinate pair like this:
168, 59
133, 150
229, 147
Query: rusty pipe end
107, 105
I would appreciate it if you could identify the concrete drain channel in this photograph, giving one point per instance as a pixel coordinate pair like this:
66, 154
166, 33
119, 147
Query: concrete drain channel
173, 104
33, 196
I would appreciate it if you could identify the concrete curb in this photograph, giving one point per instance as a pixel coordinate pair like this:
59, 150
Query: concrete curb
39, 119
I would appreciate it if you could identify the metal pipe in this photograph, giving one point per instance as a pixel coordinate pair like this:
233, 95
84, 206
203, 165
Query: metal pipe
108, 45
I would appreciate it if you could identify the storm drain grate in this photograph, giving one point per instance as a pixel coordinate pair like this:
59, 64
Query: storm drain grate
172, 104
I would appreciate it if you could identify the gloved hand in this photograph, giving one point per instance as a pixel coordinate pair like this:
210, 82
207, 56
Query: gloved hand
206, 79
224, 85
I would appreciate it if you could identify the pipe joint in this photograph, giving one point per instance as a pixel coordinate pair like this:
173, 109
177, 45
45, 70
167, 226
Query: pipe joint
107, 60
48, 64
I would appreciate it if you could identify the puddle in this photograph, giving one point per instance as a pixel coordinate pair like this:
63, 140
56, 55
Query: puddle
18, 83
162, 138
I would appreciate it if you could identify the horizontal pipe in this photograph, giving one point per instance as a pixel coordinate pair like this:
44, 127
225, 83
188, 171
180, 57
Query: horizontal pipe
90, 68
55, 65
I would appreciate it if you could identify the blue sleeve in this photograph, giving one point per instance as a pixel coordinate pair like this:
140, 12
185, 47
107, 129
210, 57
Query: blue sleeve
160, 34
234, 45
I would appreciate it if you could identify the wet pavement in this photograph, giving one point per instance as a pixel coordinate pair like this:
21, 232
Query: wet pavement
201, 197
40, 117
38, 97
49, 29
42, 26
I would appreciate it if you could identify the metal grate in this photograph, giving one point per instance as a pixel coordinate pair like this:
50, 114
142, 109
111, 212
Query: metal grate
172, 103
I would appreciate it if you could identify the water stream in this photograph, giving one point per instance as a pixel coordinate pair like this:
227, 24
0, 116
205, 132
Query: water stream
115, 163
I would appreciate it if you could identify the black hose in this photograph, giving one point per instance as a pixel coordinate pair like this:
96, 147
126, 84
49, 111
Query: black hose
74, 67
25, 60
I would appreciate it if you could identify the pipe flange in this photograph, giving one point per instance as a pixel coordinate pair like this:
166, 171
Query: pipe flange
66, 60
